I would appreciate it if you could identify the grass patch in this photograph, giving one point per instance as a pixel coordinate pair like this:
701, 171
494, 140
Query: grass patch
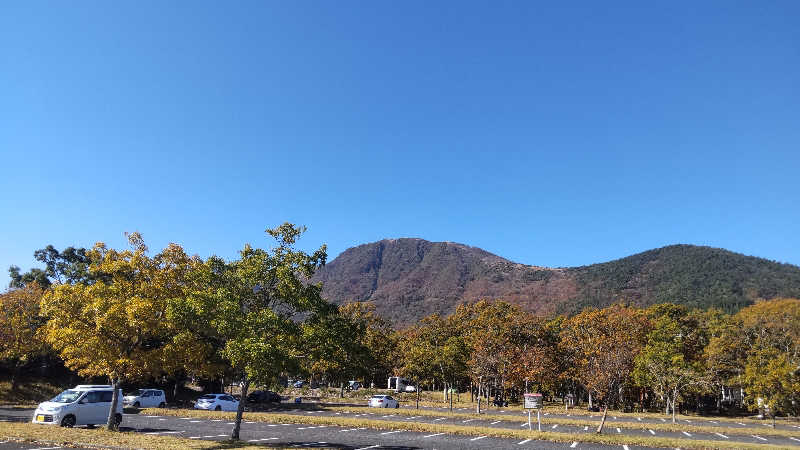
470, 430
57, 436
29, 393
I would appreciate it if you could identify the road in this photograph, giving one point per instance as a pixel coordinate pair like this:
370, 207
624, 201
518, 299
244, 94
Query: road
351, 438
314, 436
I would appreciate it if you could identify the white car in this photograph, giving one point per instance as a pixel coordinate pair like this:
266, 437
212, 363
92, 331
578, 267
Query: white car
82, 405
217, 402
411, 388
383, 401
145, 398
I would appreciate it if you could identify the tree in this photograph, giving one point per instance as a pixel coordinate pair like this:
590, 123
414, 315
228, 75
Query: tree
256, 305
115, 326
771, 376
605, 342
69, 266
671, 360
20, 323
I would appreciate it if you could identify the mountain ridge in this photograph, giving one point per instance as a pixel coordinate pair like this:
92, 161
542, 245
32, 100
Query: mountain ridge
409, 278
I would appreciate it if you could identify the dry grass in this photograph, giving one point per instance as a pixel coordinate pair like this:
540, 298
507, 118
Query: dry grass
57, 436
471, 430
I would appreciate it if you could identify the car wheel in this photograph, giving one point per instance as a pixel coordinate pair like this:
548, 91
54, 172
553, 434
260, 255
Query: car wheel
136, 405
68, 422
162, 405
218, 408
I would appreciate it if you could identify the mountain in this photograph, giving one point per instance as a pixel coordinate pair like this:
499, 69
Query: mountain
408, 279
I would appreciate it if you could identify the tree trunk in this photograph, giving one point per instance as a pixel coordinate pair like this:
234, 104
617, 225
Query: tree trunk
590, 400
240, 410
773, 420
451, 399
479, 398
674, 399
111, 424
471, 392
341, 390
15, 376
603, 420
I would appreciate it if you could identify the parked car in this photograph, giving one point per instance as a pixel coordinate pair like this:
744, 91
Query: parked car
217, 402
263, 397
84, 404
299, 383
353, 385
145, 398
383, 401
411, 388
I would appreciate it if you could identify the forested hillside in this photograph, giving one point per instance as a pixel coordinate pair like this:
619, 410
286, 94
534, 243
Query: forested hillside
408, 279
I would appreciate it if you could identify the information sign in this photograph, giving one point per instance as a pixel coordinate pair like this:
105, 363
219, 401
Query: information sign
533, 401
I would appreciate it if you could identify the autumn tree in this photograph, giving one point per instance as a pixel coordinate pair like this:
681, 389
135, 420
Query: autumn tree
115, 326
771, 376
20, 323
534, 351
68, 266
605, 342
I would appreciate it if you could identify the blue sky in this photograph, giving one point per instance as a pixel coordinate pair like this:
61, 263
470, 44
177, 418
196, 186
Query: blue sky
556, 134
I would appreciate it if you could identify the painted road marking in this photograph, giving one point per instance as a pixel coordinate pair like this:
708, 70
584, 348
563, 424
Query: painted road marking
365, 448
432, 435
652, 432
388, 415
392, 432
194, 421
686, 433
662, 419
477, 438
186, 418
574, 444
639, 419
721, 435
626, 447
217, 420
586, 428
758, 437
524, 425
259, 440
441, 418
232, 423
618, 430
523, 442
555, 426
795, 439
740, 423
493, 423
468, 420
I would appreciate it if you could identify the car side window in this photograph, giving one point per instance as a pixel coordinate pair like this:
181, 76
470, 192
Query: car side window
106, 396
92, 397
147, 394
228, 398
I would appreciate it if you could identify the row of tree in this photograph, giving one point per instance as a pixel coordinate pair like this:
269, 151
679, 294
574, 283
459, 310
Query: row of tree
130, 315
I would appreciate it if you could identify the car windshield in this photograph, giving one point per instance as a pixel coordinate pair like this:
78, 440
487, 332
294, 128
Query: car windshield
208, 397
67, 396
378, 396
135, 393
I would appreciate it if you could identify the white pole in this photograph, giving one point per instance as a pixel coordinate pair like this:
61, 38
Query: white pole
529, 420
539, 419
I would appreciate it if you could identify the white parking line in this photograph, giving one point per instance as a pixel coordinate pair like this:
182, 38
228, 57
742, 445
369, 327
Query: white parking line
265, 439
494, 423
618, 430
392, 432
586, 428
721, 435
468, 420
663, 419
194, 421
432, 435
626, 447
44, 448
574, 444
477, 438
555, 426
523, 425
740, 423
639, 419
795, 439
758, 437
441, 418
652, 432
365, 448
687, 433
523, 442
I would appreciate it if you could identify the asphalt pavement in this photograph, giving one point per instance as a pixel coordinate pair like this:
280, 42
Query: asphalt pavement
314, 436
300, 435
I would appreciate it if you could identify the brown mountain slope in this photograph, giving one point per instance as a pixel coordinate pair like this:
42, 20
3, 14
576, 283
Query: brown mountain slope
408, 279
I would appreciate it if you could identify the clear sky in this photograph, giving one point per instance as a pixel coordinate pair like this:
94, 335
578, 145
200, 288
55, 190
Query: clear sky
549, 133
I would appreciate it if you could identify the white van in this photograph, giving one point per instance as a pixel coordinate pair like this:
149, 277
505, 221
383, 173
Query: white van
84, 404
145, 398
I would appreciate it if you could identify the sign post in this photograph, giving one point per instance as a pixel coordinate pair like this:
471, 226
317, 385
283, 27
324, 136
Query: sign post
534, 401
